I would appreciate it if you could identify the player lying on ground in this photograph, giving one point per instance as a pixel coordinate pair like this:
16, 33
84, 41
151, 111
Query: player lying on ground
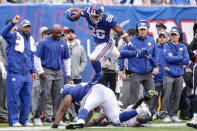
136, 121
105, 98
100, 24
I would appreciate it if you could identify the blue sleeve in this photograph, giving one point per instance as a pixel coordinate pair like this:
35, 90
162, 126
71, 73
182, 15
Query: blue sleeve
6, 34
33, 65
85, 12
66, 52
40, 49
155, 55
113, 22
64, 92
121, 61
121, 64
185, 59
171, 59
126, 115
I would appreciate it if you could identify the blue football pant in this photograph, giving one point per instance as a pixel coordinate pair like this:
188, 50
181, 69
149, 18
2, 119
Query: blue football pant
18, 87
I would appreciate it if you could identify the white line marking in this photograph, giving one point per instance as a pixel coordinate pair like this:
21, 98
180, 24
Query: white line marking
63, 127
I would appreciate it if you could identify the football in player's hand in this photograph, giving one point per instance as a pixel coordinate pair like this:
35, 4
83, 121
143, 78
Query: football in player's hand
76, 15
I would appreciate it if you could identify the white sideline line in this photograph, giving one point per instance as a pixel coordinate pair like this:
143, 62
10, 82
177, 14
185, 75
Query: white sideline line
166, 125
63, 127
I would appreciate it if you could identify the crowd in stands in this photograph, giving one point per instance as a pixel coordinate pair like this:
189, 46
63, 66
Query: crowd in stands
106, 2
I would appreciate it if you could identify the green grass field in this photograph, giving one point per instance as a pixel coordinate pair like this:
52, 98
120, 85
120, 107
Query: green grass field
106, 129
5, 127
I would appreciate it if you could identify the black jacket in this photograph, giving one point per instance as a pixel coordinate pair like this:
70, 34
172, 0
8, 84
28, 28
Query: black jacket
192, 47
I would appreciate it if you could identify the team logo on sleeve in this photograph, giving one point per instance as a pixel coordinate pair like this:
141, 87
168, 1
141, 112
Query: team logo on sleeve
181, 49
149, 44
62, 46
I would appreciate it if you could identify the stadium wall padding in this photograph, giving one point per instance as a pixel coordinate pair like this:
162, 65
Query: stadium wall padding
47, 15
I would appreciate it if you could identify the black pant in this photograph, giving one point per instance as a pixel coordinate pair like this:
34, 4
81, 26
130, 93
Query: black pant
77, 81
195, 86
109, 77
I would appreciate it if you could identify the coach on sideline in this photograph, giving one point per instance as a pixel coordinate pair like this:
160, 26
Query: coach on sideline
52, 53
20, 67
142, 66
175, 57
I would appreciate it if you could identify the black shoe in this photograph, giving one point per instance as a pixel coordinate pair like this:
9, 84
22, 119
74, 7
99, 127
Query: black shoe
185, 118
70, 126
75, 125
48, 121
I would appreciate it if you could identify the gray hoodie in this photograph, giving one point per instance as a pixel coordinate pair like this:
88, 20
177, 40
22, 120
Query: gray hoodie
3, 45
78, 59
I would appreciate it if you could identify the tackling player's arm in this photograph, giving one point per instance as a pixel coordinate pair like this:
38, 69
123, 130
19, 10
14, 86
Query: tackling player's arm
97, 120
62, 109
122, 34
90, 114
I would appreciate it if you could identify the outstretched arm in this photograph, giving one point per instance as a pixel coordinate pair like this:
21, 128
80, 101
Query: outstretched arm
62, 109
139, 102
6, 34
146, 98
122, 34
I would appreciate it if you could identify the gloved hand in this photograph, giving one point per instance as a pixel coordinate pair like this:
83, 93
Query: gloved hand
69, 15
142, 53
3, 71
131, 46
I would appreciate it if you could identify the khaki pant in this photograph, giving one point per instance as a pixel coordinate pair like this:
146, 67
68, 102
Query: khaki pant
3, 101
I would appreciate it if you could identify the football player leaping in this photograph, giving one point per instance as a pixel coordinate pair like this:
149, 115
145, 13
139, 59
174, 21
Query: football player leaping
100, 23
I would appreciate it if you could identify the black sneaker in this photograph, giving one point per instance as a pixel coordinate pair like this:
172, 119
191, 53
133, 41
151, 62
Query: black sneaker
79, 124
48, 121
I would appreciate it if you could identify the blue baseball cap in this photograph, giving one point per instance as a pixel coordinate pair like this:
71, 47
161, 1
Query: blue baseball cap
165, 34
175, 31
142, 25
25, 22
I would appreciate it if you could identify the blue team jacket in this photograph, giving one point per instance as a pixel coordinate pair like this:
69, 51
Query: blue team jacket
52, 52
159, 77
141, 65
175, 63
20, 63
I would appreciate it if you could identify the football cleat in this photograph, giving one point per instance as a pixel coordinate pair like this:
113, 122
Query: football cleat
160, 115
192, 123
79, 124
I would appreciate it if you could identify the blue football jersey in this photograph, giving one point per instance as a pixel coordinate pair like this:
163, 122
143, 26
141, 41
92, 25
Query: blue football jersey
100, 31
76, 91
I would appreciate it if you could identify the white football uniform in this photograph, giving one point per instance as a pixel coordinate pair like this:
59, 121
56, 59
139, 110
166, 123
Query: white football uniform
131, 122
105, 49
99, 95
